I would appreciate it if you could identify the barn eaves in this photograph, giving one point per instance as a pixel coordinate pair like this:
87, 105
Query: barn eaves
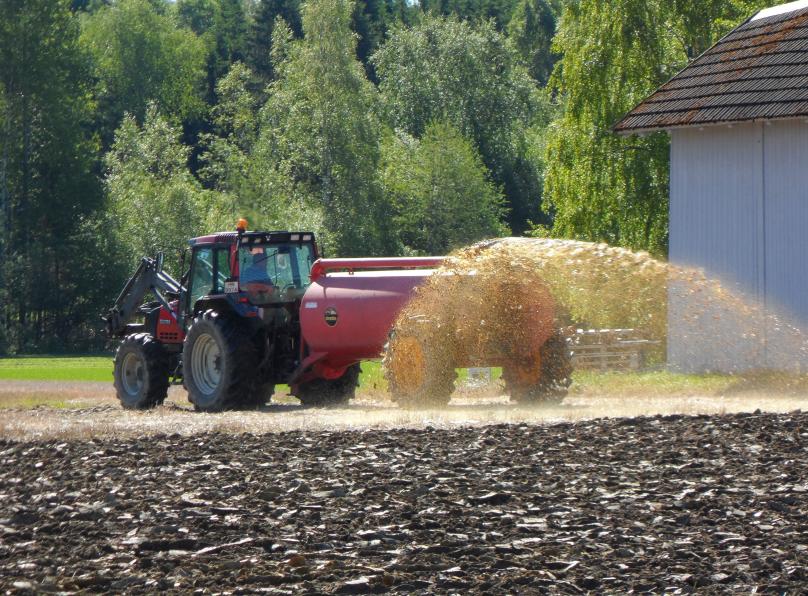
759, 71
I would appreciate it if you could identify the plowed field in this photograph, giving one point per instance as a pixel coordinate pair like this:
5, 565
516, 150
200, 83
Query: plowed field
666, 503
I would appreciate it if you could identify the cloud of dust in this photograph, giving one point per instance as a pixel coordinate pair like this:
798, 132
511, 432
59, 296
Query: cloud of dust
497, 302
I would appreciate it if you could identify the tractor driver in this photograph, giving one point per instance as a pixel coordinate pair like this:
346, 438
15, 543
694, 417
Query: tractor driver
257, 271
283, 270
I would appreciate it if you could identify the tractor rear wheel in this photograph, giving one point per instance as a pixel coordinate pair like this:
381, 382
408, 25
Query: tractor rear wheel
141, 372
555, 375
336, 392
218, 362
417, 376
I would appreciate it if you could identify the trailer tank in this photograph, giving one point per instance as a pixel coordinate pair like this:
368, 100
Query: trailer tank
348, 310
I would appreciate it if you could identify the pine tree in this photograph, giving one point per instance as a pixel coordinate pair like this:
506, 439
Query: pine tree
260, 46
222, 24
370, 22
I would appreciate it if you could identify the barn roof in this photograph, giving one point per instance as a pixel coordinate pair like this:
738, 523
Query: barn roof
758, 71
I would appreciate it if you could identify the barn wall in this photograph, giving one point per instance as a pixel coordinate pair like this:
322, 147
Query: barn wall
786, 239
739, 211
715, 225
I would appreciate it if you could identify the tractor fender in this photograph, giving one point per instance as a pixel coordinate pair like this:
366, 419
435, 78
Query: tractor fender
217, 303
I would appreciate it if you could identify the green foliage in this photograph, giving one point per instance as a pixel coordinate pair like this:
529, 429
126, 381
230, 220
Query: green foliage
290, 132
499, 11
605, 187
448, 70
141, 55
262, 32
319, 146
402, 11
226, 159
235, 113
369, 22
47, 186
155, 204
440, 69
531, 29
222, 25
440, 193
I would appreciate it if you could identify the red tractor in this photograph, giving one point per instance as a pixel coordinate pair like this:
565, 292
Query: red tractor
256, 309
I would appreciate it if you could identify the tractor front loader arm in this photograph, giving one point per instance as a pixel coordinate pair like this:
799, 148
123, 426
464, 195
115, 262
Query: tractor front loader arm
149, 277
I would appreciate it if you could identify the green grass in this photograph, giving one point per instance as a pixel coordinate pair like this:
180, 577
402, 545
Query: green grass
99, 368
372, 376
651, 383
57, 368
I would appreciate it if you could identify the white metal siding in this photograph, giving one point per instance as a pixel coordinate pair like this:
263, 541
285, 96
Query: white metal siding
739, 210
715, 224
785, 177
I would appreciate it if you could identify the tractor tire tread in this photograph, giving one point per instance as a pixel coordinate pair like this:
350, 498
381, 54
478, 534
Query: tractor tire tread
239, 354
156, 363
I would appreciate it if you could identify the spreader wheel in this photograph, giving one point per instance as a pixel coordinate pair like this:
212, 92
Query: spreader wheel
418, 376
218, 362
336, 392
549, 384
141, 372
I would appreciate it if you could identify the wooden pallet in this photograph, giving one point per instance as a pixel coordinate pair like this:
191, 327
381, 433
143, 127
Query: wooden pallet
609, 349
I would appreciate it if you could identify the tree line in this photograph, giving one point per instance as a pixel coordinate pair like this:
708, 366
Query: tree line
386, 126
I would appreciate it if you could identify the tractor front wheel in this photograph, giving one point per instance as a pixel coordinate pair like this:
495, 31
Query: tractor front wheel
141, 372
336, 392
554, 378
218, 362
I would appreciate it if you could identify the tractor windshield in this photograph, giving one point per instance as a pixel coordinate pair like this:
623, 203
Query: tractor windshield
275, 272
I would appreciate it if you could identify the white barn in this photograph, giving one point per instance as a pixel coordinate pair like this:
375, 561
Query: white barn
738, 121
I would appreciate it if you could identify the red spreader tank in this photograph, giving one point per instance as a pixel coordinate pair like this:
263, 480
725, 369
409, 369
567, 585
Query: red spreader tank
350, 307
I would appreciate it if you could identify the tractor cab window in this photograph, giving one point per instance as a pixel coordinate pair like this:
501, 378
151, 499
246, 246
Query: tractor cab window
275, 272
201, 274
222, 269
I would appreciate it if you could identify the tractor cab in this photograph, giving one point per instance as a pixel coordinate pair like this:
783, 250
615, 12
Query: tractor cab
249, 270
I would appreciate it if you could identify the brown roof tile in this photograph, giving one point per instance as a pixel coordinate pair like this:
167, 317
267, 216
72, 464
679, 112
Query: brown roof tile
757, 71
